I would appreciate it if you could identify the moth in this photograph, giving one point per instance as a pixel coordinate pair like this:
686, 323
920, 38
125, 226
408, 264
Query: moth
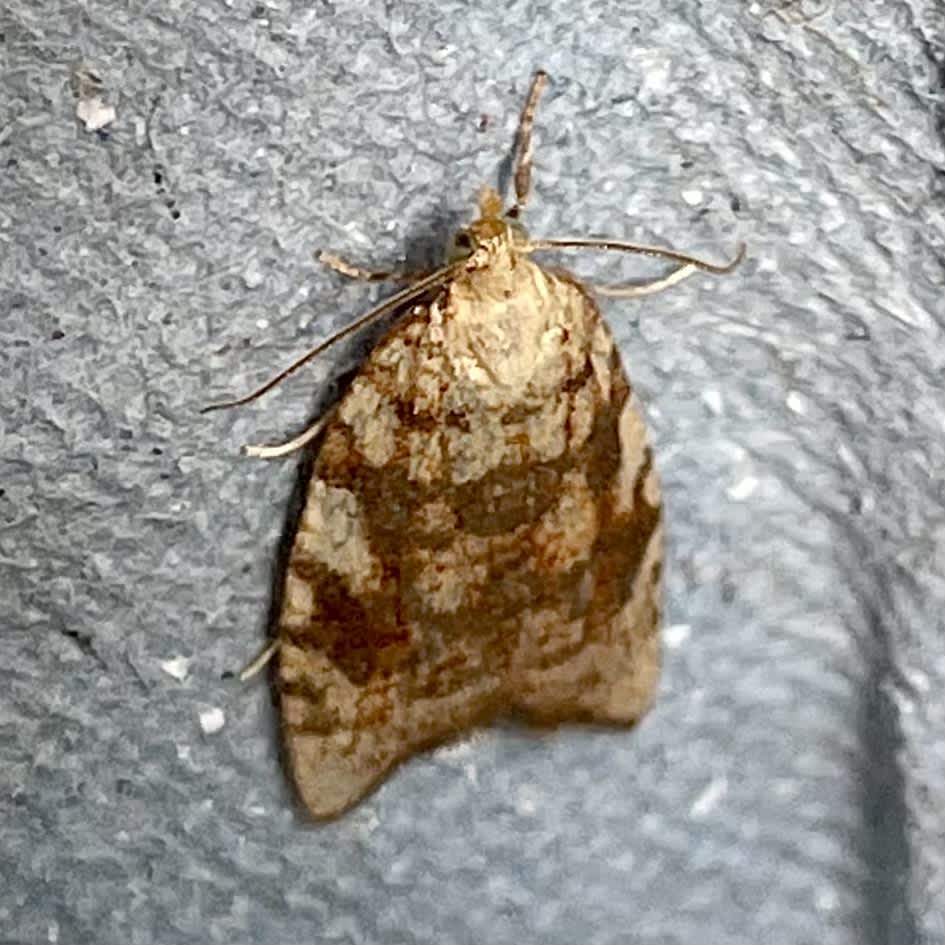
482, 532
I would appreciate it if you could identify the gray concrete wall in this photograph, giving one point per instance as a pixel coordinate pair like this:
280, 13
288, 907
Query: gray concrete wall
788, 785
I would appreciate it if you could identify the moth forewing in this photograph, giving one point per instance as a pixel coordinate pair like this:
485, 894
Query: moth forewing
481, 533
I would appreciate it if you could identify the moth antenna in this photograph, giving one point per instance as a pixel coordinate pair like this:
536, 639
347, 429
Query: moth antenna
395, 301
290, 446
260, 661
657, 252
634, 290
523, 160
353, 271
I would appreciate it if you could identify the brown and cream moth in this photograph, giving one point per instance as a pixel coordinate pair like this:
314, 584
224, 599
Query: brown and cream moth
482, 530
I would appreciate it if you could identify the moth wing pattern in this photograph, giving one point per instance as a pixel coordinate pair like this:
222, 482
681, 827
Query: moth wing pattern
481, 533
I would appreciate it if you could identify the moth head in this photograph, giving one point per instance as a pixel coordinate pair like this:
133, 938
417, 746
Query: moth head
491, 236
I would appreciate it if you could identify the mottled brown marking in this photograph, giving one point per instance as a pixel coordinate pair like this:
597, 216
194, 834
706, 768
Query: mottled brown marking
507, 592
483, 531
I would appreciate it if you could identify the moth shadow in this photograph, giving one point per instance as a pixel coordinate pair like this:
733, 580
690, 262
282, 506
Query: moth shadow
506, 168
426, 247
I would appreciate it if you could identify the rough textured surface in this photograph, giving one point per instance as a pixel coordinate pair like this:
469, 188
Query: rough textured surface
788, 784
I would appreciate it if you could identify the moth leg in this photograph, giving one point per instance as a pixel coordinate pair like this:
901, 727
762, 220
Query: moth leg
366, 275
656, 252
403, 297
260, 661
523, 160
290, 446
634, 290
